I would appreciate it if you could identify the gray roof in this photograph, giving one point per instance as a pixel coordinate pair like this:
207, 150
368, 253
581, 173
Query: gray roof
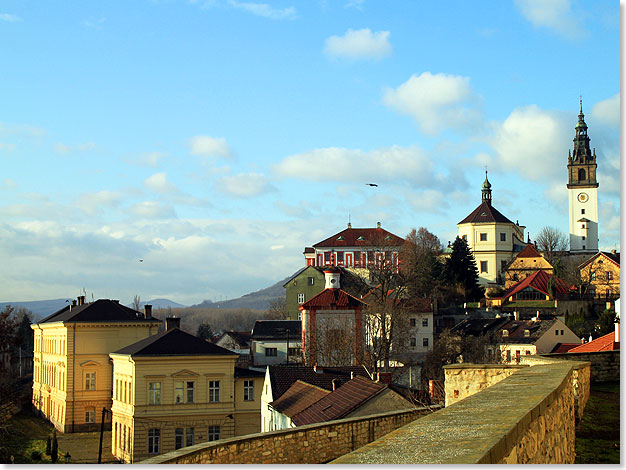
102, 310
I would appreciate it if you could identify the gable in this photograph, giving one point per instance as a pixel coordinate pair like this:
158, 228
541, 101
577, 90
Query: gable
185, 373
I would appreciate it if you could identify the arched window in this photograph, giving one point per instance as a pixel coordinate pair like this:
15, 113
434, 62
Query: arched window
582, 175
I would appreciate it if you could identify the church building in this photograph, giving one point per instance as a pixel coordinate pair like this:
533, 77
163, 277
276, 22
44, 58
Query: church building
582, 187
492, 238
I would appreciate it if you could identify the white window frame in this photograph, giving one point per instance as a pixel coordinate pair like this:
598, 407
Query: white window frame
90, 380
154, 393
154, 441
179, 392
214, 391
300, 298
248, 390
213, 433
90, 415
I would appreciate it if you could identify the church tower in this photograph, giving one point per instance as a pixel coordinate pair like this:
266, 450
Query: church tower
583, 191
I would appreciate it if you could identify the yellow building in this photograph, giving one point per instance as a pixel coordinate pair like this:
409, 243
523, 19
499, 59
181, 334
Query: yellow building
492, 238
600, 274
174, 390
71, 368
527, 262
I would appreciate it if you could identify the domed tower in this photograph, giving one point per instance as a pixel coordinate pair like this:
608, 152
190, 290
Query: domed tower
583, 191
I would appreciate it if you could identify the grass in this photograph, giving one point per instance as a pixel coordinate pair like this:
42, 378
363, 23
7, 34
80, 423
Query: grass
598, 433
28, 434
531, 304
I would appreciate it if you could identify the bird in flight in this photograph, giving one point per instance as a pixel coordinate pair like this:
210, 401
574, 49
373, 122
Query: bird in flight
141, 261
371, 184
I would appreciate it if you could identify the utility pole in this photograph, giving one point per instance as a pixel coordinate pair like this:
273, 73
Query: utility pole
104, 413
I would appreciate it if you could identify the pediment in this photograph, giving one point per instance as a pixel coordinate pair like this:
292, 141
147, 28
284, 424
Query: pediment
90, 364
185, 373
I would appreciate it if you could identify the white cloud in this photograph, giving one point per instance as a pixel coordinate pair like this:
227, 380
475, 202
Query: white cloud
152, 210
556, 15
436, 102
353, 165
432, 201
206, 146
8, 183
63, 149
95, 23
360, 44
245, 184
9, 18
265, 10
607, 111
150, 159
93, 203
356, 4
532, 142
159, 184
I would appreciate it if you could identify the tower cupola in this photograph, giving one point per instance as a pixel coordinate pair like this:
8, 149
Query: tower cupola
486, 190
582, 151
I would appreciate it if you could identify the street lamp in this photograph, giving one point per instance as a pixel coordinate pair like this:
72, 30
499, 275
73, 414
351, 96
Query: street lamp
68, 457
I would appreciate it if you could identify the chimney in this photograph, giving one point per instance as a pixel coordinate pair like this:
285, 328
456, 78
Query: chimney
147, 308
81, 300
171, 323
384, 377
74, 303
377, 224
336, 384
349, 225
516, 315
318, 369
582, 340
115, 301
332, 278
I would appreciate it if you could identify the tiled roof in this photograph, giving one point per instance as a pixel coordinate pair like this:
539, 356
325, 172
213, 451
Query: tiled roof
276, 329
539, 281
485, 213
361, 237
339, 403
283, 376
517, 330
478, 326
612, 257
243, 372
334, 298
174, 342
529, 251
100, 311
603, 343
563, 347
299, 396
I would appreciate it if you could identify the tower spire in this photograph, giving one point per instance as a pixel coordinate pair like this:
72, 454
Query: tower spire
486, 190
582, 151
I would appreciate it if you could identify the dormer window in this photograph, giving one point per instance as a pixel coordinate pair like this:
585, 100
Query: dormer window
361, 238
505, 332
527, 333
388, 237
341, 237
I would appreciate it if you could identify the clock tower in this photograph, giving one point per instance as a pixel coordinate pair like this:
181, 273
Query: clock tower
583, 191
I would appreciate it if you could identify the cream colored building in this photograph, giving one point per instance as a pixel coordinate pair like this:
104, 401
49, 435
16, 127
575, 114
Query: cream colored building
526, 263
492, 238
174, 390
71, 368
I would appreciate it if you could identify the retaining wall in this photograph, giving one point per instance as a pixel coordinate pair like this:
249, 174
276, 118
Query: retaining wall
604, 364
312, 444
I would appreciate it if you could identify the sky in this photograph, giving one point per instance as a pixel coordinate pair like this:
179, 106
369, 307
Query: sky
214, 140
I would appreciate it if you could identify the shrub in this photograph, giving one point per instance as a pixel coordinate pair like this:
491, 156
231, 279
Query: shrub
55, 448
35, 455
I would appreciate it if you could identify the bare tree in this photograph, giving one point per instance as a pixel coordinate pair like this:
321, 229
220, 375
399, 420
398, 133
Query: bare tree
137, 302
551, 242
277, 310
335, 341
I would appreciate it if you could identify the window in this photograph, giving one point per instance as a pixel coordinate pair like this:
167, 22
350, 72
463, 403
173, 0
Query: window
582, 211
609, 275
505, 332
424, 321
562, 333
214, 433
340, 256
556, 332
357, 257
179, 392
90, 381
464, 237
295, 352
593, 276
502, 236
179, 436
189, 437
154, 441
584, 238
271, 352
526, 333
508, 355
311, 281
413, 342
582, 175
483, 237
413, 321
483, 266
425, 342
90, 415
248, 390
300, 298
327, 257
517, 356
154, 393
214, 391
190, 392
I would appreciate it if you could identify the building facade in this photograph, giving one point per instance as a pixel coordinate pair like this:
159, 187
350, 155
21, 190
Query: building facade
582, 187
276, 342
600, 275
527, 262
492, 238
175, 390
71, 369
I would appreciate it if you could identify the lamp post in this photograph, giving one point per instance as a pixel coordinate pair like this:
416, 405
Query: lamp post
68, 457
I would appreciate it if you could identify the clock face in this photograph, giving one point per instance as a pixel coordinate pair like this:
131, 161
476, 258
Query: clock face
583, 197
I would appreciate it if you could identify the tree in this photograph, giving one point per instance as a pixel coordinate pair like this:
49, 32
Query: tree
277, 309
54, 451
551, 242
137, 303
461, 270
334, 343
205, 331
422, 269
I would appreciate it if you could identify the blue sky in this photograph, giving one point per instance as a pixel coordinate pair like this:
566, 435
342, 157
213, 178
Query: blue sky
216, 139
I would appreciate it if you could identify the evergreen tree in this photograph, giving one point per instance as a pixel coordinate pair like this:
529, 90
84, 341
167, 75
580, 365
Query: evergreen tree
54, 451
461, 270
48, 446
205, 331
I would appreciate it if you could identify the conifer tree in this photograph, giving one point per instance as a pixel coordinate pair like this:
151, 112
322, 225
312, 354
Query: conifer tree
54, 451
461, 270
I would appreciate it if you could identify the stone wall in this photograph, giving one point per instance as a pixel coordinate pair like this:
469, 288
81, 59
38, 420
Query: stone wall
312, 444
604, 364
463, 380
527, 417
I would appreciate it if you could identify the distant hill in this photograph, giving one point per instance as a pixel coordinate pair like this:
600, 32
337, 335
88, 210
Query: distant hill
160, 303
259, 300
40, 308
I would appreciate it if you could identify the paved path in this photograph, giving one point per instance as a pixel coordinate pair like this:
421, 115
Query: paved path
83, 446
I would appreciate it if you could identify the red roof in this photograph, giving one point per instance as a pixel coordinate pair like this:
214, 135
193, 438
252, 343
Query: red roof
529, 251
299, 396
603, 343
563, 347
539, 281
612, 257
334, 298
361, 237
485, 213
339, 403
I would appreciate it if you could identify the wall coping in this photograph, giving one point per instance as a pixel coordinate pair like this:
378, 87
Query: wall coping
467, 365
482, 428
171, 457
